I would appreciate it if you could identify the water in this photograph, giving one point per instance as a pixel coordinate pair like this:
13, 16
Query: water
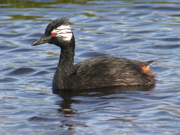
134, 29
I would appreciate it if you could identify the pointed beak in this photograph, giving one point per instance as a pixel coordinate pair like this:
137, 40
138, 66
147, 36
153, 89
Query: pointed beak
42, 40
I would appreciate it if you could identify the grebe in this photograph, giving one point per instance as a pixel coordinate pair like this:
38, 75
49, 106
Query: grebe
95, 72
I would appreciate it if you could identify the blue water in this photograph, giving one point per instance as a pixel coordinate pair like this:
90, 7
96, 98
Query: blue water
133, 29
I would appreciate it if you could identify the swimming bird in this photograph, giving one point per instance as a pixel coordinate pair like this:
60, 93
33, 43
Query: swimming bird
95, 72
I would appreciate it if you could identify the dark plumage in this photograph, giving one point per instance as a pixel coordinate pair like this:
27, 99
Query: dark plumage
95, 72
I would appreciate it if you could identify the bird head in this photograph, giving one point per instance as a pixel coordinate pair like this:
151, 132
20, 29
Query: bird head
57, 32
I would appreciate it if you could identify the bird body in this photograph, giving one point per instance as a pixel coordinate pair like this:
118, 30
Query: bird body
95, 72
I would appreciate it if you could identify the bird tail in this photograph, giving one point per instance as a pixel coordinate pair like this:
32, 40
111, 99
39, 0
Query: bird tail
145, 68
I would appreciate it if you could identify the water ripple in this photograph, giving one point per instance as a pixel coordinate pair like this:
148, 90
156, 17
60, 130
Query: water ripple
142, 30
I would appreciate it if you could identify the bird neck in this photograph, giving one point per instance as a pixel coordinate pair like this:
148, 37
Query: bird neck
65, 69
66, 60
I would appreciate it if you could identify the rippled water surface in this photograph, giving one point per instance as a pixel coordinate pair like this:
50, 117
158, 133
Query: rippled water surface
133, 29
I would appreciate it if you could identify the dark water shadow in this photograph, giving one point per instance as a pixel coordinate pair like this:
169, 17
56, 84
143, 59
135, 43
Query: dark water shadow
68, 97
104, 90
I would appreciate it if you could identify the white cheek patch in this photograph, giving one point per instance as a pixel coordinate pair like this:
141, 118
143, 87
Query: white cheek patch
63, 31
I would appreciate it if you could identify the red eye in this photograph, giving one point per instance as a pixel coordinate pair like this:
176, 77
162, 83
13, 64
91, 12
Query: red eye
53, 34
